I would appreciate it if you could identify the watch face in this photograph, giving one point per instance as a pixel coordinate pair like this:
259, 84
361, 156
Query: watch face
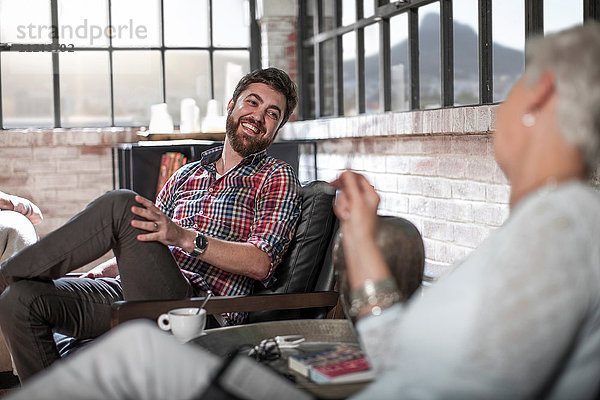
201, 242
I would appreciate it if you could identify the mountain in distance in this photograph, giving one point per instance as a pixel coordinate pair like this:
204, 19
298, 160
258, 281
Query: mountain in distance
508, 63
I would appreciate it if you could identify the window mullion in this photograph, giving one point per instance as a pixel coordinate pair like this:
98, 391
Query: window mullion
591, 10
55, 62
447, 53
413, 57
486, 87
162, 51
360, 60
338, 65
385, 75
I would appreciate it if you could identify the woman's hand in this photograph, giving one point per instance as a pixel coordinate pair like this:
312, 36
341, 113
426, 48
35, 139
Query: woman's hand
160, 227
356, 208
356, 205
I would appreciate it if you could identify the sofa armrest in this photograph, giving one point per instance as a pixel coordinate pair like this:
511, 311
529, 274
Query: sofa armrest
127, 310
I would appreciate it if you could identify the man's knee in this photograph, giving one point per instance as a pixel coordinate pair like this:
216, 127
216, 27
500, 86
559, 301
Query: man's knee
19, 300
119, 197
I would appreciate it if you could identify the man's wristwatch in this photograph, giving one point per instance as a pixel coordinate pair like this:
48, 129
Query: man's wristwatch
200, 245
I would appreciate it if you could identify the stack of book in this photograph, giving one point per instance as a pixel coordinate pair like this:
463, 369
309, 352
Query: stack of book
169, 163
338, 364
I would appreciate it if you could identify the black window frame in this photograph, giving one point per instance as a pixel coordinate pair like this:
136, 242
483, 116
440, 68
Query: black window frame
253, 49
384, 10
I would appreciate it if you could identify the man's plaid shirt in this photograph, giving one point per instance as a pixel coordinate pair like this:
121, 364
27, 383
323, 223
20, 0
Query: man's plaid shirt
256, 202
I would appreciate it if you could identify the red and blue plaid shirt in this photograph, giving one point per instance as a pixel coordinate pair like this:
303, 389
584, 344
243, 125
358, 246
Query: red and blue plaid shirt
256, 202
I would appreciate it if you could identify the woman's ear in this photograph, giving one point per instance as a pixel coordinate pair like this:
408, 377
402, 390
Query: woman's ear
540, 92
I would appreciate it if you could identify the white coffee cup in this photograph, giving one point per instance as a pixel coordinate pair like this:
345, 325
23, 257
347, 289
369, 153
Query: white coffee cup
185, 323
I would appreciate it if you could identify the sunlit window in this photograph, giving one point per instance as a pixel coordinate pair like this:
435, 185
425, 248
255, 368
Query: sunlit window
80, 70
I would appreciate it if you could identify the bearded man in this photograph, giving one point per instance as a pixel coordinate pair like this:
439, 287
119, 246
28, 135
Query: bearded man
219, 225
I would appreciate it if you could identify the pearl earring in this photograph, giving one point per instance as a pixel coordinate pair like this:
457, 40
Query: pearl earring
528, 120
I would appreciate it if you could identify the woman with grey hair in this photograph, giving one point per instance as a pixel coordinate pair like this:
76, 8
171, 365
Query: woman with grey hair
519, 318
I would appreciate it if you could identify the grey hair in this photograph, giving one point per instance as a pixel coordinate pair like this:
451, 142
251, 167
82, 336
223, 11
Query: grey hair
573, 56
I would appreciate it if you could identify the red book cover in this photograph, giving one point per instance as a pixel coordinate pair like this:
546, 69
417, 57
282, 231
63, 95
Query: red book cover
346, 371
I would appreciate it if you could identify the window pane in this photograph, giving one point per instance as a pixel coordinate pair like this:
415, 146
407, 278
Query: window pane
187, 74
349, 56
27, 90
236, 31
368, 8
230, 66
372, 68
84, 89
399, 60
508, 34
557, 16
430, 88
137, 85
328, 15
327, 58
83, 23
348, 12
136, 23
466, 48
22, 22
186, 23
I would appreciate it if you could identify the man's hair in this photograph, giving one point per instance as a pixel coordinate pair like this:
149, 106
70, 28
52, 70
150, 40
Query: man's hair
573, 56
276, 79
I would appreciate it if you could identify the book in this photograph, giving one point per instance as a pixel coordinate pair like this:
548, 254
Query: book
170, 162
346, 371
332, 365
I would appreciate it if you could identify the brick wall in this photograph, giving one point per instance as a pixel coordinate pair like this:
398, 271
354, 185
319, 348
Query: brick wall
59, 170
435, 168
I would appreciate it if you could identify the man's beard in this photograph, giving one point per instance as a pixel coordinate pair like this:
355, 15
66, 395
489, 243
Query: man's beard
236, 140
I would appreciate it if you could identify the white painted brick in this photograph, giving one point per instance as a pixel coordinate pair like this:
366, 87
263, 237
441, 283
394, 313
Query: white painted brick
480, 170
410, 185
53, 181
423, 166
453, 210
34, 166
490, 214
439, 230
475, 145
386, 182
436, 187
8, 153
394, 203
423, 206
468, 190
497, 193
470, 235
437, 145
55, 153
374, 163
410, 146
451, 167
397, 164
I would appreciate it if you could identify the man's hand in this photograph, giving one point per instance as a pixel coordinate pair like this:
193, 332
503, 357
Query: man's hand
161, 228
107, 269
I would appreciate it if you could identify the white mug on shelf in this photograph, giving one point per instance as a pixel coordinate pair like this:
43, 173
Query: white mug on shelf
185, 323
160, 120
188, 123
